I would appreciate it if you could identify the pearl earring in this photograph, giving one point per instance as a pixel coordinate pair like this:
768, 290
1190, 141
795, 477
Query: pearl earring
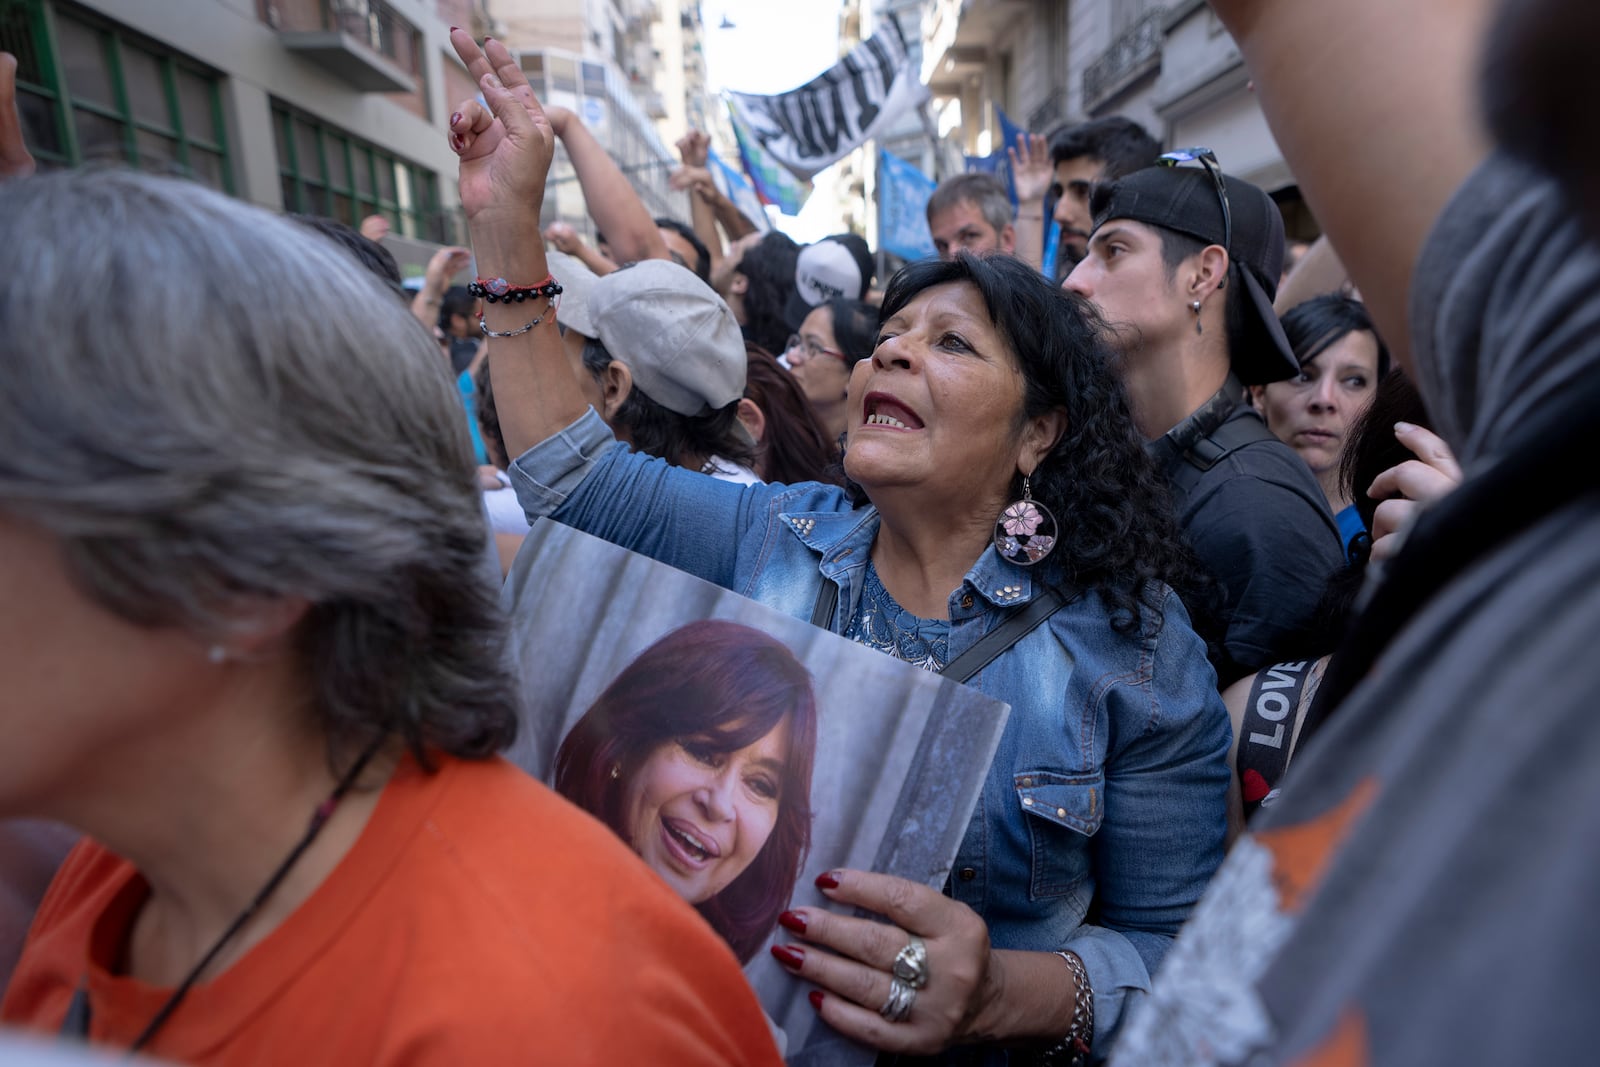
1194, 306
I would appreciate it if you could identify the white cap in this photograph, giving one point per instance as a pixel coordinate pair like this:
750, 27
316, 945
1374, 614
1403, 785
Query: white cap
676, 336
577, 284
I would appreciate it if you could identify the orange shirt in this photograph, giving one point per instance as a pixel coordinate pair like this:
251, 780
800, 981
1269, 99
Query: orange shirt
479, 919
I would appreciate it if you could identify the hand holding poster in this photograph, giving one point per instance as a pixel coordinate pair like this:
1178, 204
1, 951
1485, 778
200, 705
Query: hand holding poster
733, 747
808, 128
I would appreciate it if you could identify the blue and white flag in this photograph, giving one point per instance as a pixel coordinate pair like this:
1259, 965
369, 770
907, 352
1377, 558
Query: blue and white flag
773, 182
819, 123
903, 193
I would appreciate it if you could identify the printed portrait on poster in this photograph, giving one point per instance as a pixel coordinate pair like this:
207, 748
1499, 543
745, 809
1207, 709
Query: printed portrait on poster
738, 751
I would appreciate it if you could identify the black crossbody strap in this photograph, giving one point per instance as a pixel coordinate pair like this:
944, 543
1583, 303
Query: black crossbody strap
827, 601
1016, 626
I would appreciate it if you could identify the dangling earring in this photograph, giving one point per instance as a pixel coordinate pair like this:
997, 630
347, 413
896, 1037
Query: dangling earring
1194, 306
1025, 533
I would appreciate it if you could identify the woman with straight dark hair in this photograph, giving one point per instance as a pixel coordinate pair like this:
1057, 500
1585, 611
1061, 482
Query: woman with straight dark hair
1392, 465
791, 446
1007, 529
699, 755
1342, 359
835, 336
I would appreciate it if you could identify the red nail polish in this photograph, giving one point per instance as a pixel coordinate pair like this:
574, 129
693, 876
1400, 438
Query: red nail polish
815, 996
827, 880
456, 142
455, 117
453, 29
789, 956
793, 920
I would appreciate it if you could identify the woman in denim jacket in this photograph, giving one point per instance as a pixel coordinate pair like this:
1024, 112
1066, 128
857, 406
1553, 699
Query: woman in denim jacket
987, 384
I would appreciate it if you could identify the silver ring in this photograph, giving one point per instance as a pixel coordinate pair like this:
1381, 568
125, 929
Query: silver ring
897, 1009
911, 963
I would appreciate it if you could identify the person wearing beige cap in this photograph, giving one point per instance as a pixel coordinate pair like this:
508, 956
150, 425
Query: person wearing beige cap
666, 359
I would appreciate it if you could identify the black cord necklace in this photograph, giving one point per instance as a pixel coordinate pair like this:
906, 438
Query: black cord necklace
319, 819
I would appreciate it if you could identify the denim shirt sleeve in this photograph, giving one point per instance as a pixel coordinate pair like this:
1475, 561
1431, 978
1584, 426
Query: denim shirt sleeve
584, 478
1166, 780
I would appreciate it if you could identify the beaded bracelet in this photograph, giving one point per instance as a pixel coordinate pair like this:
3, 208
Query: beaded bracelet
498, 290
1073, 1050
519, 331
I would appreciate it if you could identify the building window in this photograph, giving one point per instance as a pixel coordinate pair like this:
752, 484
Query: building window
325, 171
89, 91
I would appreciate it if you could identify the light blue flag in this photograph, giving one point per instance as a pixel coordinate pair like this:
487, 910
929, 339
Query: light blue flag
903, 193
736, 187
998, 163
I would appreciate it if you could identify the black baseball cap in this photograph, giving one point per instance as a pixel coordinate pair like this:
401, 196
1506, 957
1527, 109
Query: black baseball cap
1185, 200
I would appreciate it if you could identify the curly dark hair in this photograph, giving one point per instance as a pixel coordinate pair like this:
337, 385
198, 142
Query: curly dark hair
1119, 536
768, 266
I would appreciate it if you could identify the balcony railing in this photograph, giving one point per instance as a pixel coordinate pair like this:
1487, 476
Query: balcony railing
375, 24
1131, 56
365, 42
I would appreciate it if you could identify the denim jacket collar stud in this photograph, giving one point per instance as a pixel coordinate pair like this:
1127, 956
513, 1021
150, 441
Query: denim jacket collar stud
844, 541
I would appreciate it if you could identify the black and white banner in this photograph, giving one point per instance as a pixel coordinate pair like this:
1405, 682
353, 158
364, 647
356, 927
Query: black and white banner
810, 127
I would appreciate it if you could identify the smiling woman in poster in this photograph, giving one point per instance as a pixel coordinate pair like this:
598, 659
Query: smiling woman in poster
997, 468
699, 755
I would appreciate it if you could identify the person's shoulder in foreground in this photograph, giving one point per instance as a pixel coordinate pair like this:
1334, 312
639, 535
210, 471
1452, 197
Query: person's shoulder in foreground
465, 926
1425, 858
1424, 851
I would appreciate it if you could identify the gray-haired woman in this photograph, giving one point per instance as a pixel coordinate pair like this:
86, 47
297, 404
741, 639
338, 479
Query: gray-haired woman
248, 651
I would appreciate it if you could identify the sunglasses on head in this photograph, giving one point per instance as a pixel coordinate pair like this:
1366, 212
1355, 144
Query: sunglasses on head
1207, 159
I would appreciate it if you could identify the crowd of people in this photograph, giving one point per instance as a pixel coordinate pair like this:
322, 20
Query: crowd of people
1286, 571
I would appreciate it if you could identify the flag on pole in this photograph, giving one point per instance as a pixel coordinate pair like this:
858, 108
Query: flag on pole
903, 193
819, 123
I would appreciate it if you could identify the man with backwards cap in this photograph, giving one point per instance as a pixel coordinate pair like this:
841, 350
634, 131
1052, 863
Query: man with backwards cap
1182, 264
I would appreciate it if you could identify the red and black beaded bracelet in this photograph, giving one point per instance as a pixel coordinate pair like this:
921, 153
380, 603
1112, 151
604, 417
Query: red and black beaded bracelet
500, 291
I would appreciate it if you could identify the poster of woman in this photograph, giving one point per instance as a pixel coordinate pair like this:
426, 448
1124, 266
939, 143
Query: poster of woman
739, 751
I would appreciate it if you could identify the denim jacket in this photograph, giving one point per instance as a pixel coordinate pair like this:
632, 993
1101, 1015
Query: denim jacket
1110, 778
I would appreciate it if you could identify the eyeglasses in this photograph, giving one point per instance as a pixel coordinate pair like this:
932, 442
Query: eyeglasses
1207, 159
799, 349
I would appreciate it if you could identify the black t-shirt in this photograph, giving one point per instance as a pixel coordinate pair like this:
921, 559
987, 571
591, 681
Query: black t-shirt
1261, 526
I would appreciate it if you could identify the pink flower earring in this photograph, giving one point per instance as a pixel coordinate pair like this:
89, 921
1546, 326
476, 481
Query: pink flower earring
1025, 533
